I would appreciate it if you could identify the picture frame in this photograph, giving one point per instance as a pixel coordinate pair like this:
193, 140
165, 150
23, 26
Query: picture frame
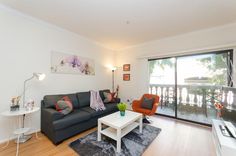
65, 63
126, 77
126, 67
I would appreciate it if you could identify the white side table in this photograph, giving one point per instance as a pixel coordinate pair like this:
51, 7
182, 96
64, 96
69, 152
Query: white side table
21, 130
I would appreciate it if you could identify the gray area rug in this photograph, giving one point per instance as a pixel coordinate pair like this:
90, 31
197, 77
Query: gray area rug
133, 144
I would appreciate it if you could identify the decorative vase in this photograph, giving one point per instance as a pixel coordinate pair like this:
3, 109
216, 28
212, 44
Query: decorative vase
122, 113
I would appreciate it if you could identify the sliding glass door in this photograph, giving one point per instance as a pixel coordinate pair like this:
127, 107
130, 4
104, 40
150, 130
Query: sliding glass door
162, 83
189, 86
199, 82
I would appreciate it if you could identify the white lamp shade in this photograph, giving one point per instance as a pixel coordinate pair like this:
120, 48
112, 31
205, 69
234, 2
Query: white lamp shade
39, 76
113, 68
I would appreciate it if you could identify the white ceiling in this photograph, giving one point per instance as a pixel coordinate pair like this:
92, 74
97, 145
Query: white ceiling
120, 23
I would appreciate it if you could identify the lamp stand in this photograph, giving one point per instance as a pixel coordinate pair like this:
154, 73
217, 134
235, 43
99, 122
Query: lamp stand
24, 89
113, 80
23, 137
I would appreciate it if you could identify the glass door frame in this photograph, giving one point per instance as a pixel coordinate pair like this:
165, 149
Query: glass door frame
229, 57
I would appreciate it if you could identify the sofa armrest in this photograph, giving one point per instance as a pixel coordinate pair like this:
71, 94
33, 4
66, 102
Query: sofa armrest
154, 108
51, 114
136, 104
48, 115
117, 100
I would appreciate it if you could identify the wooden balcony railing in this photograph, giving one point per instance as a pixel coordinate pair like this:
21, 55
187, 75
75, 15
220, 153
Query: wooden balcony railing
195, 95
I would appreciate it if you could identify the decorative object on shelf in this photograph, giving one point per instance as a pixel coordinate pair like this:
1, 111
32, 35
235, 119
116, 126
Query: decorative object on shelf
126, 77
71, 64
15, 103
113, 81
126, 67
29, 105
122, 107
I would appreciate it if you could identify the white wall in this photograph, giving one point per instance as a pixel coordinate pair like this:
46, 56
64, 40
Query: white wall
195, 42
26, 43
25, 47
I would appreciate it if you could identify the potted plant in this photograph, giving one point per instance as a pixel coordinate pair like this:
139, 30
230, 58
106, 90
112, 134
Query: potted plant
122, 107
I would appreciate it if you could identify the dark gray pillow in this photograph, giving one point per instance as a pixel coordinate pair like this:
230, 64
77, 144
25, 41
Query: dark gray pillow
147, 103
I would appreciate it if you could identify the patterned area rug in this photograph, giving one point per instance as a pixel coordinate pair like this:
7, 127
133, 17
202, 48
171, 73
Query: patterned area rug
133, 144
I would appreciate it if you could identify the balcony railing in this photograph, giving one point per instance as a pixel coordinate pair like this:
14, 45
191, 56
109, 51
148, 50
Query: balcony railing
195, 95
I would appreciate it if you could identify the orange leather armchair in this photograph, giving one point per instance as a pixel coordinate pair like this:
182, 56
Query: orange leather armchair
136, 105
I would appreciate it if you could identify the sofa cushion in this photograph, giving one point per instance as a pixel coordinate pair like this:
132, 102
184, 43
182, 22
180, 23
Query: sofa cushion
111, 107
101, 93
83, 99
73, 118
51, 100
93, 112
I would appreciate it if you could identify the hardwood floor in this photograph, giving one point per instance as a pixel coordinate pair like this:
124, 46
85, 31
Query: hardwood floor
177, 138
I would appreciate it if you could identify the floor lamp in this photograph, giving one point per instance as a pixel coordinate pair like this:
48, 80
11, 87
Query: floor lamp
40, 77
113, 72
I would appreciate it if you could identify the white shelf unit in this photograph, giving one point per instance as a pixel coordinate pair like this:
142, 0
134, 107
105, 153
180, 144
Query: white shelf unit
225, 146
112, 133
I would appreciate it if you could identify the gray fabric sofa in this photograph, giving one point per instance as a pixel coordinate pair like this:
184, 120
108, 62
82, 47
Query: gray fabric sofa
58, 127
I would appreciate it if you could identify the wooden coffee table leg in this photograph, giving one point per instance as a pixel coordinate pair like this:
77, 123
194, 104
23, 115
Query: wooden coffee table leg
118, 140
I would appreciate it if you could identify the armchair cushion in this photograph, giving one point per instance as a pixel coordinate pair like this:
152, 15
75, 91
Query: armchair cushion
147, 103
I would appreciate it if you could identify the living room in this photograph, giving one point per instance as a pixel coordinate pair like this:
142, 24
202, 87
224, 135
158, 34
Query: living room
120, 40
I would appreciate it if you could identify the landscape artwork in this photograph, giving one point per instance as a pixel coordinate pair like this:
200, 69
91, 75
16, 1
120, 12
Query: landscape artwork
71, 64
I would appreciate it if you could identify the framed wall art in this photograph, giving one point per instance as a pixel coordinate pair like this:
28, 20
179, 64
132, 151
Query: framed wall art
71, 64
126, 77
126, 67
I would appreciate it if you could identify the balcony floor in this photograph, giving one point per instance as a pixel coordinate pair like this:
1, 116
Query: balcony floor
193, 114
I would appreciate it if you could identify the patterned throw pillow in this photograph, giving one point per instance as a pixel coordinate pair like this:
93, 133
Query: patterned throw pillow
109, 97
64, 105
147, 103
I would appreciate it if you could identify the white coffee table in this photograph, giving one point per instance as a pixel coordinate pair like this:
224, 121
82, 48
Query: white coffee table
119, 126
